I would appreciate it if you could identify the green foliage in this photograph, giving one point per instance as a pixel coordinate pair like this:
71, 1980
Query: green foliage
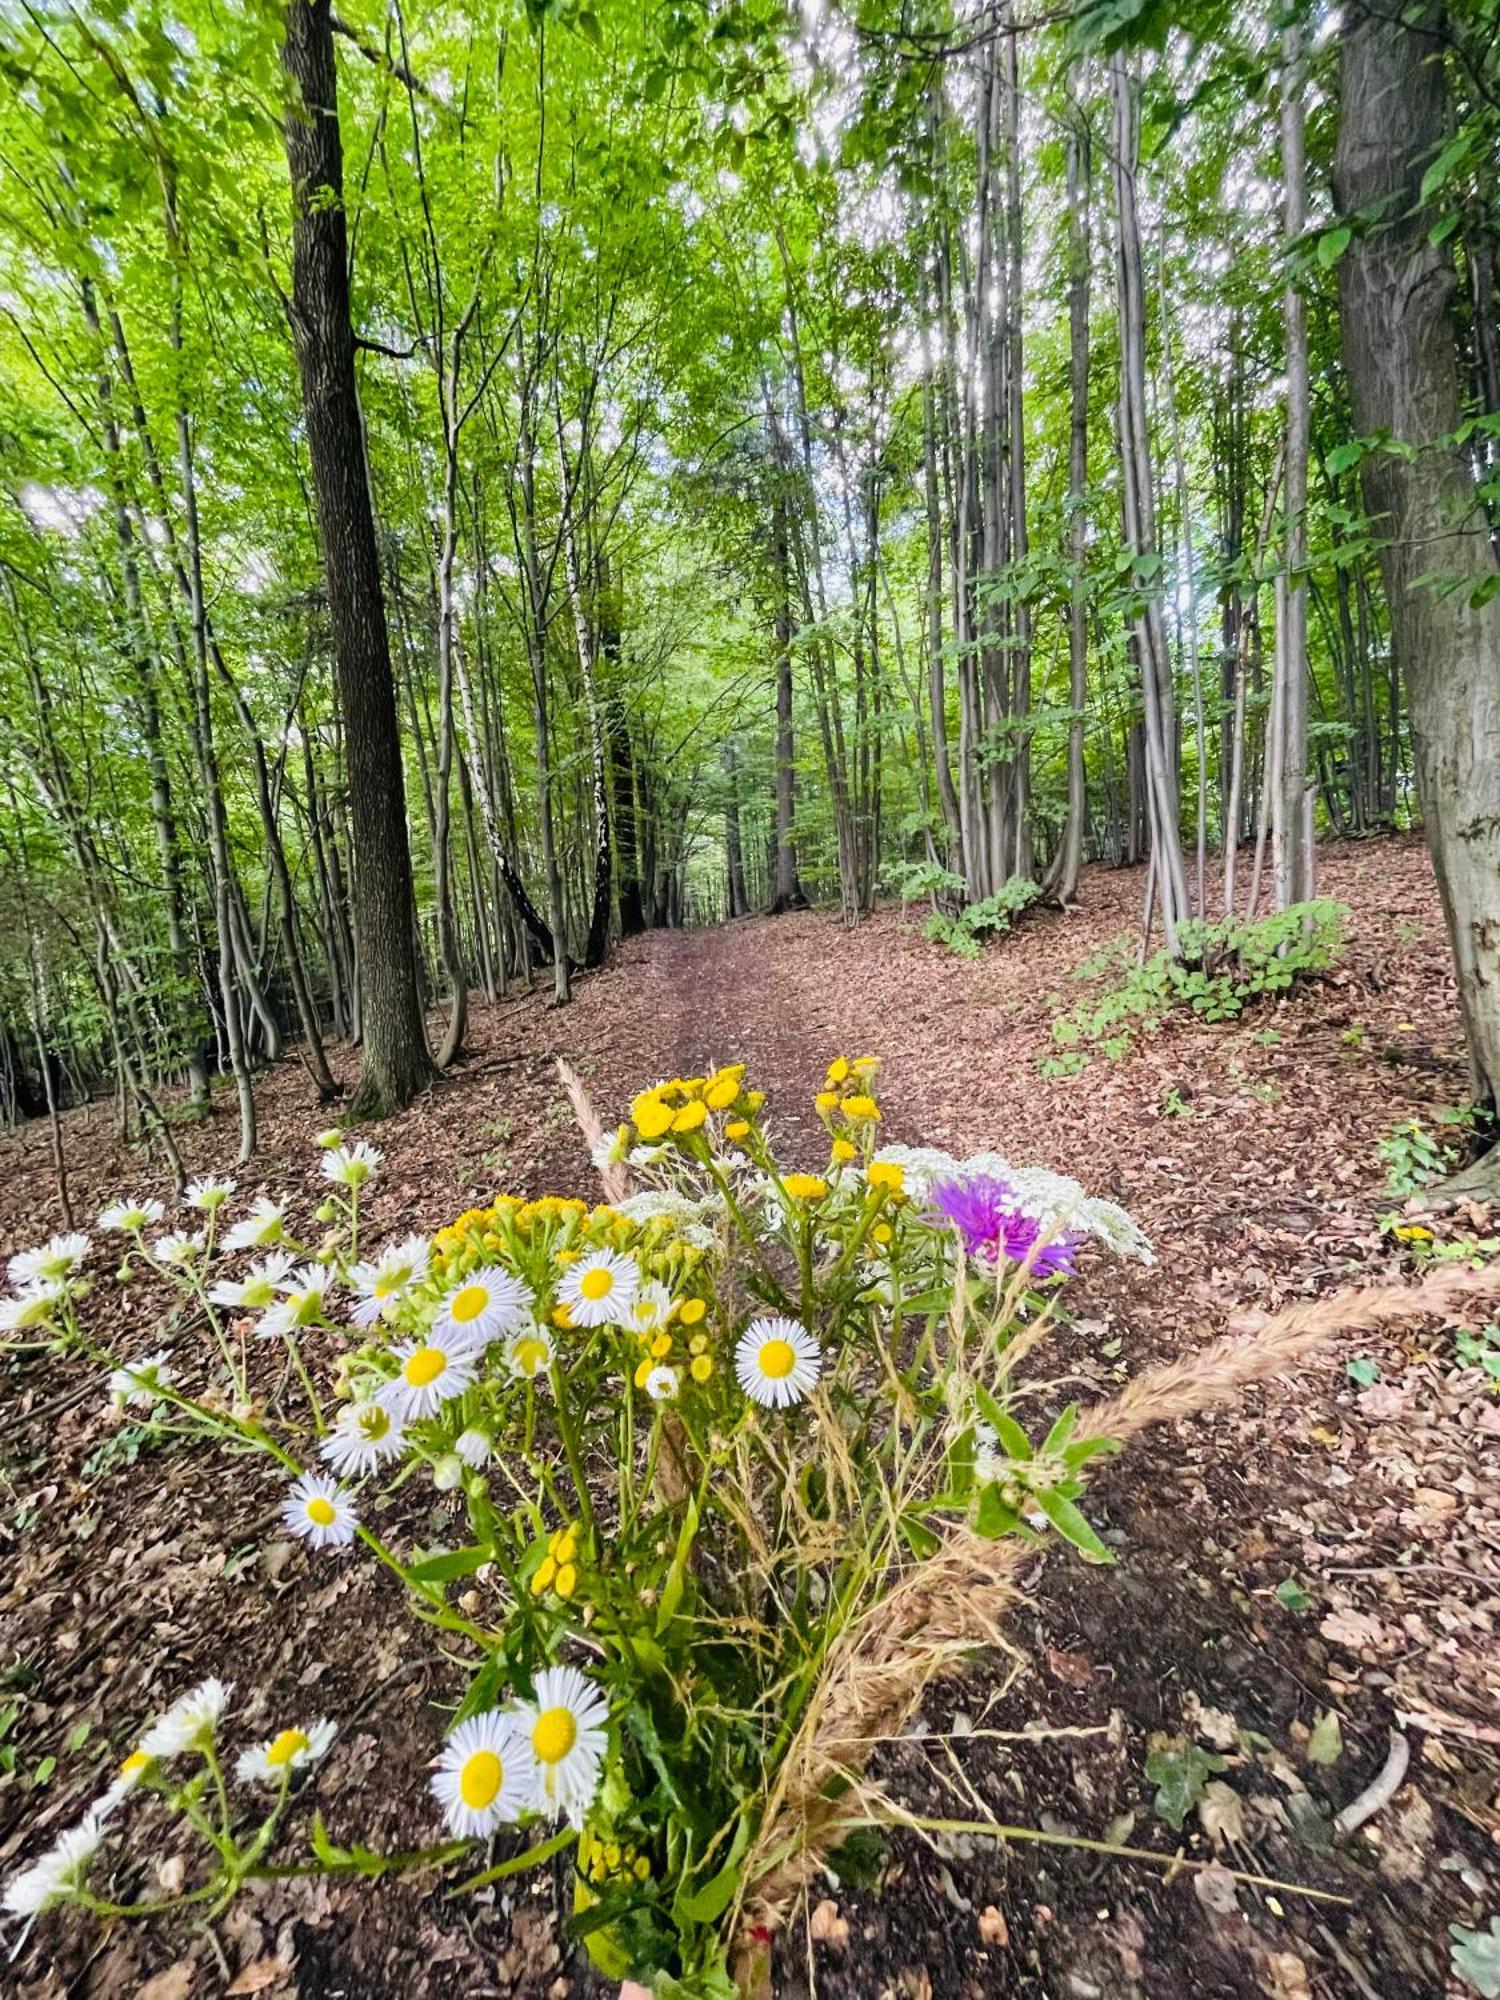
1476, 1957
977, 924
1180, 1769
1223, 969
1414, 1156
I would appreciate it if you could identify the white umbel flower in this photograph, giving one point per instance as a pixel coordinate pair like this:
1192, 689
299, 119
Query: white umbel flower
142, 1381
51, 1261
433, 1369
60, 1873
365, 1435
351, 1166
652, 1308
209, 1194
600, 1289
34, 1305
382, 1281
662, 1384
289, 1751
486, 1775
565, 1728
778, 1362
131, 1217
319, 1510
302, 1304
528, 1354
487, 1304
179, 1248
189, 1723
263, 1226
258, 1288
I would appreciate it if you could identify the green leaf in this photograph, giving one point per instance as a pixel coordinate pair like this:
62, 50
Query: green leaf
449, 1564
676, 1578
1013, 1440
1364, 1370
1071, 1524
1326, 1743
1291, 1594
1344, 456
1180, 1770
1476, 1957
992, 1518
532, 1858
1332, 244
708, 1904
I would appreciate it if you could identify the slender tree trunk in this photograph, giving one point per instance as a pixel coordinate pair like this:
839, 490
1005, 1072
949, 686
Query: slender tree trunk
1292, 861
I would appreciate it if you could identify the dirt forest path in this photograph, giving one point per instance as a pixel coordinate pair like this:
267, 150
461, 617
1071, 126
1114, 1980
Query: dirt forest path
1333, 1550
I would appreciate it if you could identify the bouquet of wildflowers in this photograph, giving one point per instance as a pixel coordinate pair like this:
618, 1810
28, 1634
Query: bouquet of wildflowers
732, 1456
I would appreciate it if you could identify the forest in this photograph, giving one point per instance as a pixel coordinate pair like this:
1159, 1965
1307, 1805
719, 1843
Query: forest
751, 759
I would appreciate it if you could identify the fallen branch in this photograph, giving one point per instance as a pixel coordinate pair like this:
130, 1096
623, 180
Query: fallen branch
1379, 1792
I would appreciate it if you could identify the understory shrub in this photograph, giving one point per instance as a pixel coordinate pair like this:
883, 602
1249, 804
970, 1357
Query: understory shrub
1220, 970
977, 923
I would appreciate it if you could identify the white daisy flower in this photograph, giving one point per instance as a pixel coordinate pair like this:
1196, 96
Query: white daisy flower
486, 1775
381, 1281
210, 1193
51, 1261
303, 1304
131, 1216
365, 1435
777, 1361
60, 1873
600, 1289
488, 1303
127, 1776
433, 1369
189, 1722
528, 1354
662, 1384
351, 1166
475, 1448
142, 1381
318, 1509
178, 1248
565, 1727
289, 1751
35, 1306
652, 1308
258, 1288
263, 1226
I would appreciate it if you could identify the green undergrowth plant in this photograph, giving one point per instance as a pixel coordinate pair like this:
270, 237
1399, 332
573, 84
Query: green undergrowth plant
976, 924
1416, 1152
1221, 970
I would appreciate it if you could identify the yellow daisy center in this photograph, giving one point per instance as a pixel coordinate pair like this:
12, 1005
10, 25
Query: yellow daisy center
374, 1421
530, 1355
136, 1761
777, 1359
598, 1283
554, 1735
289, 1744
259, 1292
322, 1513
425, 1366
469, 1303
480, 1780
388, 1282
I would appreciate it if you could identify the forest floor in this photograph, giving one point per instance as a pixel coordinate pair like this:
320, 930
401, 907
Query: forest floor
1330, 1550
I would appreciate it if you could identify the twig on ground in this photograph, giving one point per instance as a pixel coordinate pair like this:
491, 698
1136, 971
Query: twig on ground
1379, 1792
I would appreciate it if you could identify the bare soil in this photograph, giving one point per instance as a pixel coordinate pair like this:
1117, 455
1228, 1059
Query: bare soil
1247, 1150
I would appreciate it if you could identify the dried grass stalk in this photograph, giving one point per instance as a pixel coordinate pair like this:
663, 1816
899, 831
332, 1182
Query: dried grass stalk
945, 1609
615, 1179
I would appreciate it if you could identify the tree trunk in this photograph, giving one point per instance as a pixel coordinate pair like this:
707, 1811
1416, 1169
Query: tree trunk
1293, 861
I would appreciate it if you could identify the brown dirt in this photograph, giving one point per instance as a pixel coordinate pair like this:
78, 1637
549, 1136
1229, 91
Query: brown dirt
1248, 1150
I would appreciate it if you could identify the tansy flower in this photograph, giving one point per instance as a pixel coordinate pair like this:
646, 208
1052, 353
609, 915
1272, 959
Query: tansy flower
487, 1304
887, 1174
691, 1116
777, 1361
131, 1216
838, 1070
652, 1117
189, 1723
302, 1304
60, 1873
433, 1368
529, 1353
258, 1288
291, 1750
36, 1305
721, 1092
827, 1100
178, 1248
691, 1311
142, 1381
844, 1150
565, 1728
737, 1128
52, 1261
350, 1166
263, 1226
701, 1367
805, 1187
365, 1435
558, 1569
662, 1384
486, 1775
862, 1109
652, 1307
318, 1509
600, 1289
380, 1281
210, 1193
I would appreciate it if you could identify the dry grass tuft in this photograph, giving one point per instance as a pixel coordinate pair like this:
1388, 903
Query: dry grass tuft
615, 1179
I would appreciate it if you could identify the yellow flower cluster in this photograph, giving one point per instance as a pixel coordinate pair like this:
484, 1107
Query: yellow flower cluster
609, 1860
848, 1106
558, 1569
681, 1107
657, 1344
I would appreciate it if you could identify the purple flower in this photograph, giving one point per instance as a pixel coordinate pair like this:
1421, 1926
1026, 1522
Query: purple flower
984, 1212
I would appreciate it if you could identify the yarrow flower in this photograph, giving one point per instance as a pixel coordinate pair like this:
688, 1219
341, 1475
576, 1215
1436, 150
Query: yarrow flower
351, 1166
142, 1381
318, 1509
486, 1775
131, 1217
434, 1368
60, 1873
189, 1723
565, 1728
365, 1435
778, 1362
263, 1226
288, 1751
382, 1281
51, 1262
600, 1289
258, 1288
487, 1304
208, 1194
983, 1210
